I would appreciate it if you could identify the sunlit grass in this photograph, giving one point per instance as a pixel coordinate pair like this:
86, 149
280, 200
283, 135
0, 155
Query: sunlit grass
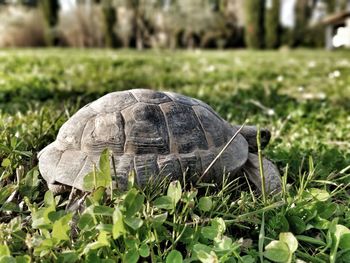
301, 96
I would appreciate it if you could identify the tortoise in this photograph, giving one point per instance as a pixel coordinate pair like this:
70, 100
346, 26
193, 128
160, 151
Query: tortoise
153, 133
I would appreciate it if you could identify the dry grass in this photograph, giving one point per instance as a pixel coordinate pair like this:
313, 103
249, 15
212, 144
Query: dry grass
21, 27
81, 27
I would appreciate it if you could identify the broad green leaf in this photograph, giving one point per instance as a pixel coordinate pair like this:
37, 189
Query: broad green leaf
30, 183
7, 259
319, 194
174, 257
205, 204
210, 232
56, 215
68, 257
133, 202
131, 243
5, 192
86, 222
159, 219
103, 238
311, 240
131, 256
4, 251
133, 222
6, 162
98, 194
40, 218
102, 176
102, 241
326, 210
23, 259
344, 242
174, 192
61, 228
118, 224
248, 259
320, 223
144, 250
341, 230
201, 247
49, 199
105, 166
277, 251
164, 202
219, 224
89, 181
102, 210
44, 247
297, 224
11, 207
105, 227
205, 257
223, 244
290, 240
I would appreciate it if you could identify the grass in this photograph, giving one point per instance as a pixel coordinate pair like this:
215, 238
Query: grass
301, 96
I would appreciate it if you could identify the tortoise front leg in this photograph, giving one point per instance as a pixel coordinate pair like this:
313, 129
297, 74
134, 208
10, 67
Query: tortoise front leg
271, 173
57, 189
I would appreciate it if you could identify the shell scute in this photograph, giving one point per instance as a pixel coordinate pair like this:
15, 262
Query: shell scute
145, 167
215, 128
184, 128
145, 130
150, 96
191, 164
112, 102
104, 131
169, 166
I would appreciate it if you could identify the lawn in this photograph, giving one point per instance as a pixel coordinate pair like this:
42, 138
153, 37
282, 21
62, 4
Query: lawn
301, 96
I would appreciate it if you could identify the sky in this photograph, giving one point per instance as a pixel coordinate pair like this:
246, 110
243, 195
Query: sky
66, 4
287, 14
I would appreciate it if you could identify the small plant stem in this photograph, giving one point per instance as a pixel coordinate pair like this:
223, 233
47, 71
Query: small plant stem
94, 174
262, 238
261, 168
115, 171
221, 152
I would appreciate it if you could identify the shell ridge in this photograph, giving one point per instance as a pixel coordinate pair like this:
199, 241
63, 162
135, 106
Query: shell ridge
76, 175
132, 95
172, 144
123, 123
58, 162
92, 132
80, 172
201, 125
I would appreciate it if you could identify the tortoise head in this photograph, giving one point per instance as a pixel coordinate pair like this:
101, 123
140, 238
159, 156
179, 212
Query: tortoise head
250, 134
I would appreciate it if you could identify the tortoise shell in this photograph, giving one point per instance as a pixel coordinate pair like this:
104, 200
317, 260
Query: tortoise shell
150, 132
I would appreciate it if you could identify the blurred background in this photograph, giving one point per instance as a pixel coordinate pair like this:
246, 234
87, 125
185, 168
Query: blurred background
173, 24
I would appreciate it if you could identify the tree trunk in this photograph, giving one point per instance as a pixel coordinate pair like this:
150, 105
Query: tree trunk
50, 10
254, 29
272, 25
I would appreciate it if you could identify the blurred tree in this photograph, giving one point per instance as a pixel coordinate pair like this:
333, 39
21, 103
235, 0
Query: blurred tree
218, 5
141, 24
331, 5
30, 3
302, 17
254, 29
109, 21
272, 25
50, 10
